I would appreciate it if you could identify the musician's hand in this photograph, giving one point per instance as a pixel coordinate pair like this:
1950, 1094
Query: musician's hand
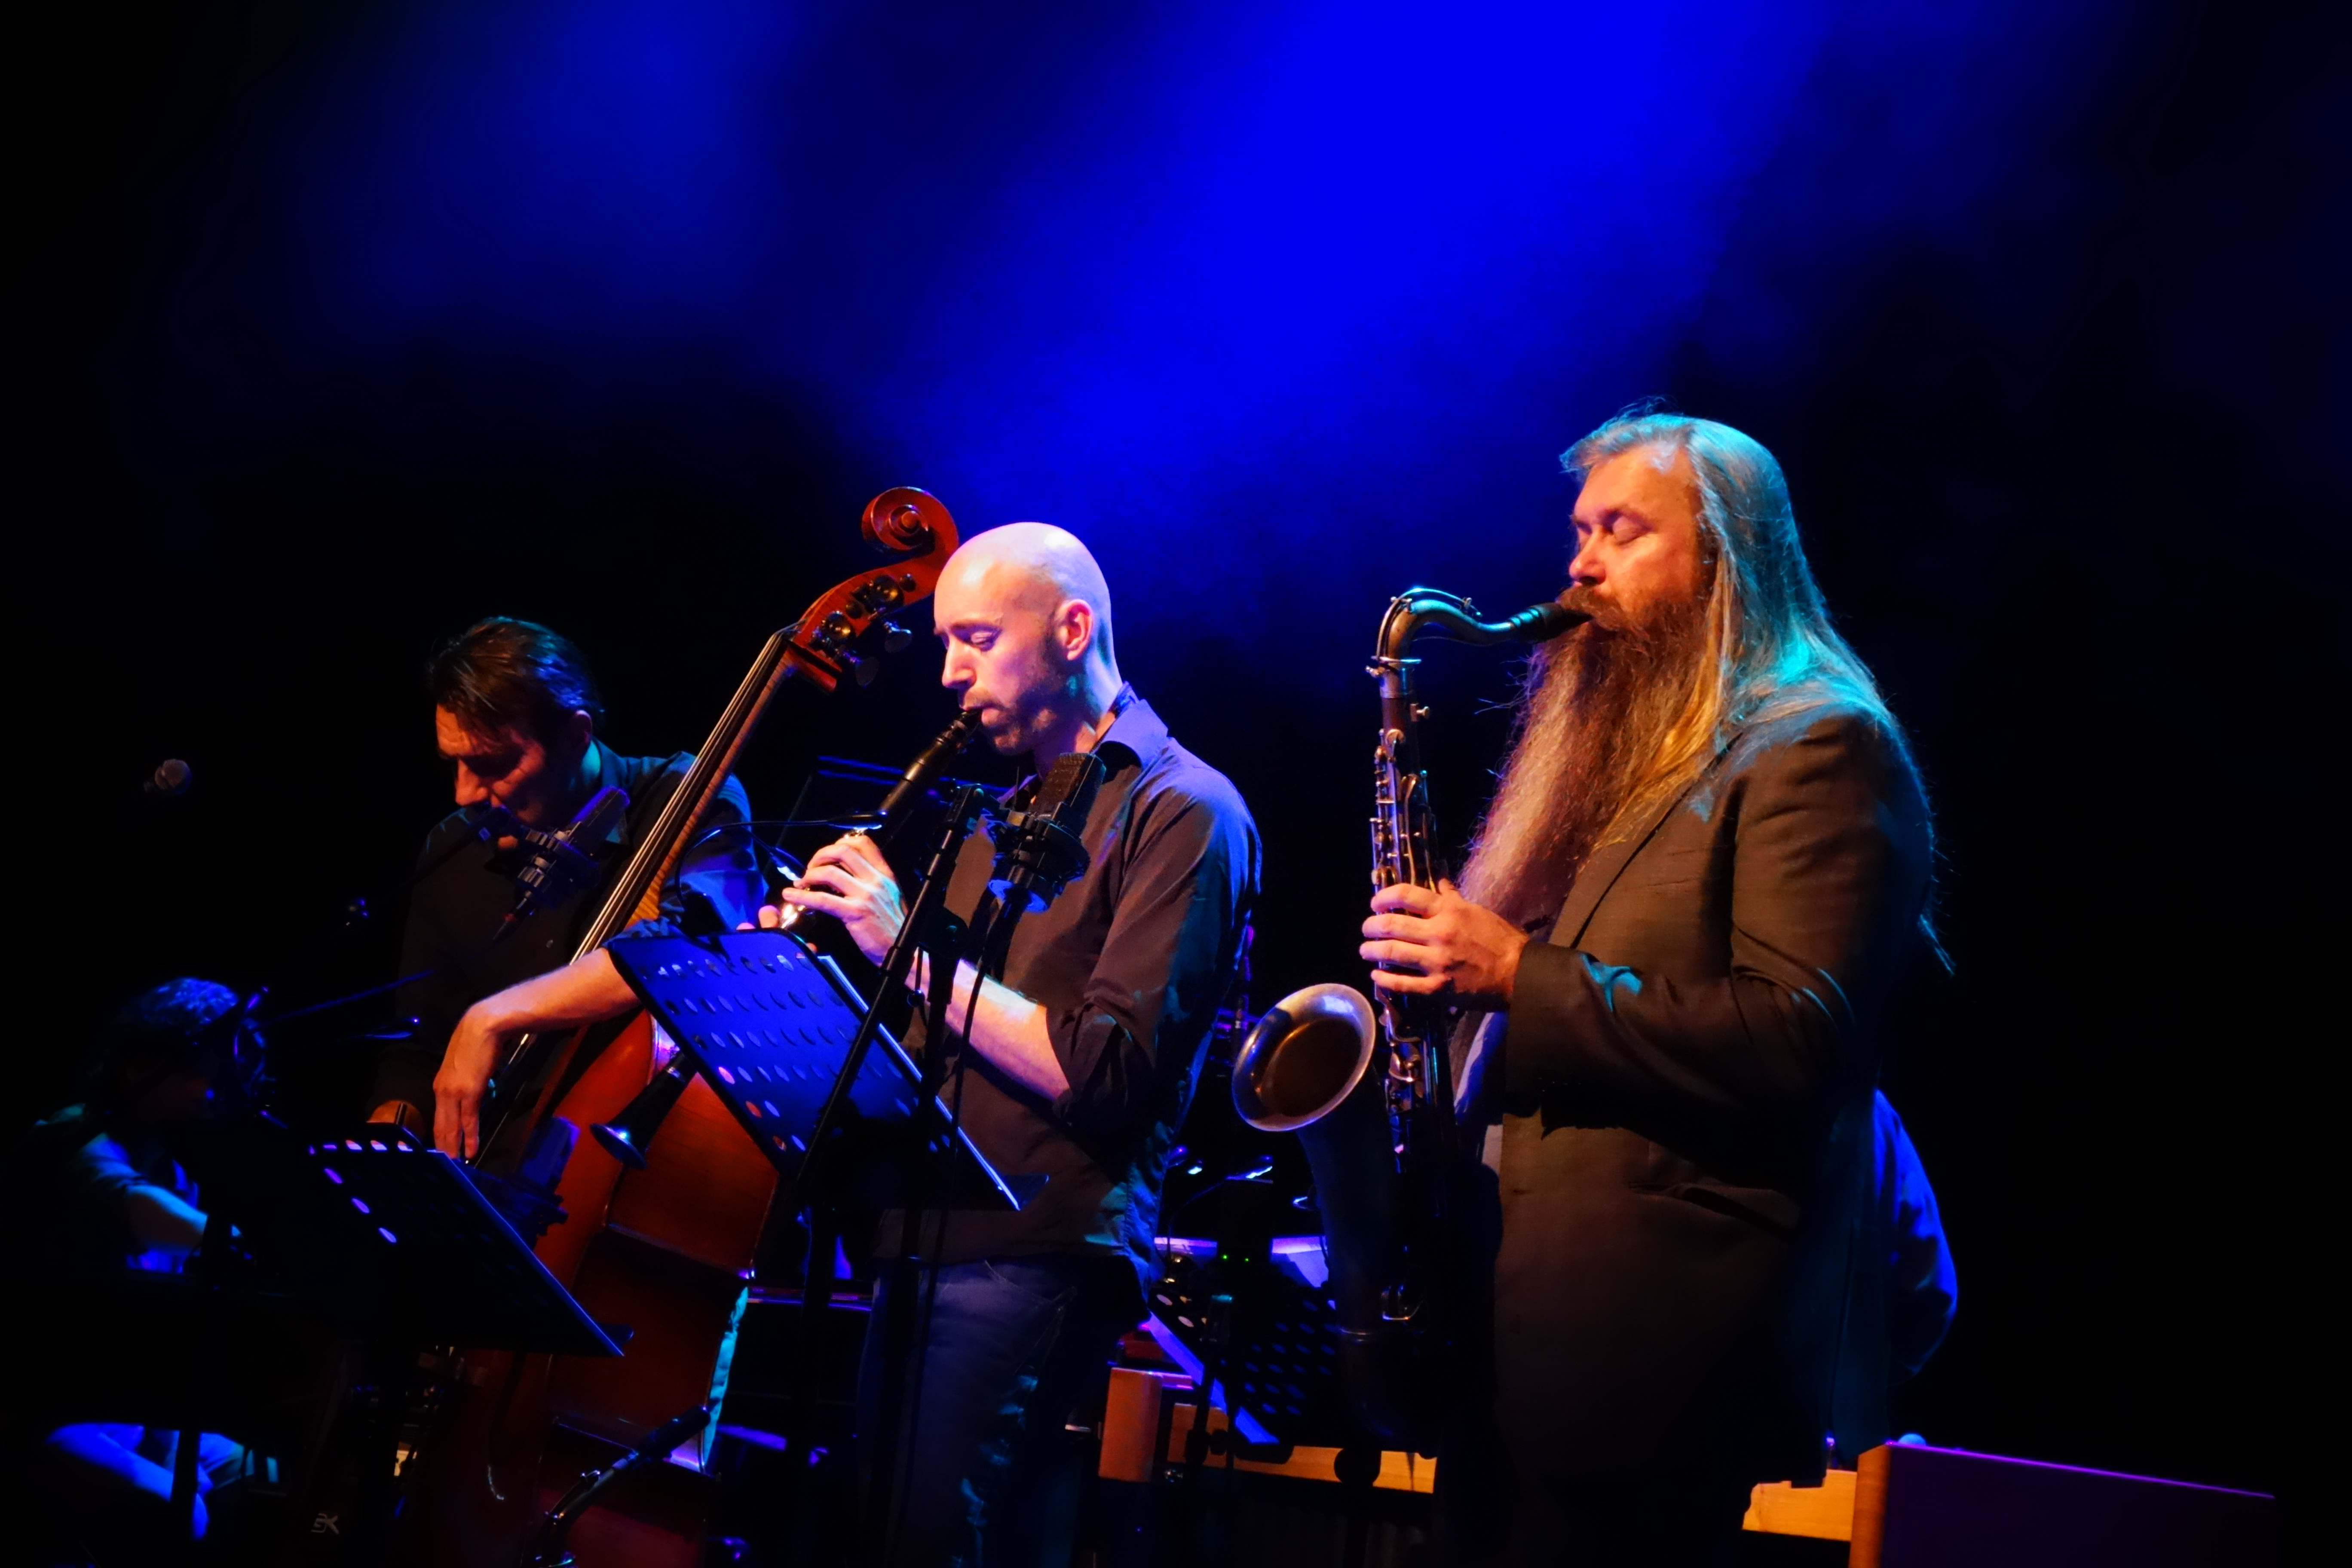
1442, 945
465, 1076
849, 880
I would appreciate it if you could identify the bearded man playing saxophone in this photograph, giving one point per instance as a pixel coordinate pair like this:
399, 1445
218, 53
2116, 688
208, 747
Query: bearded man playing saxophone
1703, 875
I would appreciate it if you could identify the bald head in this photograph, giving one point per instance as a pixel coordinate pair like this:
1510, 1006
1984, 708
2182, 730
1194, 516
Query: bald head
1034, 564
1025, 617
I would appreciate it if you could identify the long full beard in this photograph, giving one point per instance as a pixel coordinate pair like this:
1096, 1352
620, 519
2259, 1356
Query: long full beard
1596, 715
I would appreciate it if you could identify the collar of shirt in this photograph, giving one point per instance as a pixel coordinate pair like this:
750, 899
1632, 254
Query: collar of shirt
1134, 728
635, 776
610, 771
1136, 734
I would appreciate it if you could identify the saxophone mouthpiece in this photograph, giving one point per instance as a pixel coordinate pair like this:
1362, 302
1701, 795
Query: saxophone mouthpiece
1541, 623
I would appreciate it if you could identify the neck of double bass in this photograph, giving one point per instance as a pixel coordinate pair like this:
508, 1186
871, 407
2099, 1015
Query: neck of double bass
636, 896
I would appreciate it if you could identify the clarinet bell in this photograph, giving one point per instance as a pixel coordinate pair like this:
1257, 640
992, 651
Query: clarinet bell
628, 1135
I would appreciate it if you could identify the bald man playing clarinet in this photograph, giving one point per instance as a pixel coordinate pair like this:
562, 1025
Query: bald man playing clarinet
1074, 1064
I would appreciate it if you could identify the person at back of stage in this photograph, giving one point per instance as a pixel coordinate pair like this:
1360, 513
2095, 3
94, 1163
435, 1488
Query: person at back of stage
1702, 877
515, 713
101, 1197
1080, 1061
1919, 1292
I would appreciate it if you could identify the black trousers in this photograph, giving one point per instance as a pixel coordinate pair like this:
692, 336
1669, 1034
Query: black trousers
962, 1398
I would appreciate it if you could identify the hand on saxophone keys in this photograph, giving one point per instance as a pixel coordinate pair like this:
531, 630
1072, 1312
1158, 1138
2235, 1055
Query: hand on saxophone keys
1428, 941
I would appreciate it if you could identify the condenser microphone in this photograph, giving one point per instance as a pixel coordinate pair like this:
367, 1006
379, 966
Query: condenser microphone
172, 777
1043, 853
559, 863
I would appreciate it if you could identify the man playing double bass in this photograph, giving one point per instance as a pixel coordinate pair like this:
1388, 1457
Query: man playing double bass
1703, 875
515, 712
1078, 1063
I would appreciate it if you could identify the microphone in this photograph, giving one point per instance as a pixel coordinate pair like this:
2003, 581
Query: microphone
172, 777
909, 791
560, 862
1043, 853
555, 1525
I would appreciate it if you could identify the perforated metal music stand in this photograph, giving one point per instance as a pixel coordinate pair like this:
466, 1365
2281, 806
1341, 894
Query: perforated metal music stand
390, 1237
452, 1270
768, 1024
1258, 1321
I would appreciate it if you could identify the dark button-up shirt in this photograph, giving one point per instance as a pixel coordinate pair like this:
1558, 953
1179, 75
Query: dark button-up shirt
1130, 965
463, 890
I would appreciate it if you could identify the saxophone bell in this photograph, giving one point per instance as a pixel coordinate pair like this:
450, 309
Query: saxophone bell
1304, 1058
1307, 1067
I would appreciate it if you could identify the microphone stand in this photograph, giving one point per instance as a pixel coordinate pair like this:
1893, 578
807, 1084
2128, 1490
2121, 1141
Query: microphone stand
1039, 849
929, 927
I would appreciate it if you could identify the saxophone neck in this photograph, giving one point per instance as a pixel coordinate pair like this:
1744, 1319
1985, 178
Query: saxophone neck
1417, 610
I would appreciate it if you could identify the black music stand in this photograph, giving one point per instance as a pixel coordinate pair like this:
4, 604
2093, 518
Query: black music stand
450, 1269
446, 1269
1253, 1316
767, 1023
390, 1237
382, 1237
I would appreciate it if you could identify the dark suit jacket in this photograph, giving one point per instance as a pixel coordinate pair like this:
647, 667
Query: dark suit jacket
1686, 1078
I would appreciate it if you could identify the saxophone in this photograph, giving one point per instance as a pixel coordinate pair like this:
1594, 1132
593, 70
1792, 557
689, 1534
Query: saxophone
1372, 1095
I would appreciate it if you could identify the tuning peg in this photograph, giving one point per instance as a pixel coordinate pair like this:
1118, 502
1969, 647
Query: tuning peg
895, 637
863, 670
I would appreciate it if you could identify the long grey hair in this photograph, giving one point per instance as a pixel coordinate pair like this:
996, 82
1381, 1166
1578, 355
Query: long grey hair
1760, 632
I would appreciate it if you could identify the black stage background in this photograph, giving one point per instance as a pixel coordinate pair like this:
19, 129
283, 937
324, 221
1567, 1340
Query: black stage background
2068, 471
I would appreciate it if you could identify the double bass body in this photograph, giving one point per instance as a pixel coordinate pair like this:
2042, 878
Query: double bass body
660, 1258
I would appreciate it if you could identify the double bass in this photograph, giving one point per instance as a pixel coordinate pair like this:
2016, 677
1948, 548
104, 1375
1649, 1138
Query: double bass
663, 1253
